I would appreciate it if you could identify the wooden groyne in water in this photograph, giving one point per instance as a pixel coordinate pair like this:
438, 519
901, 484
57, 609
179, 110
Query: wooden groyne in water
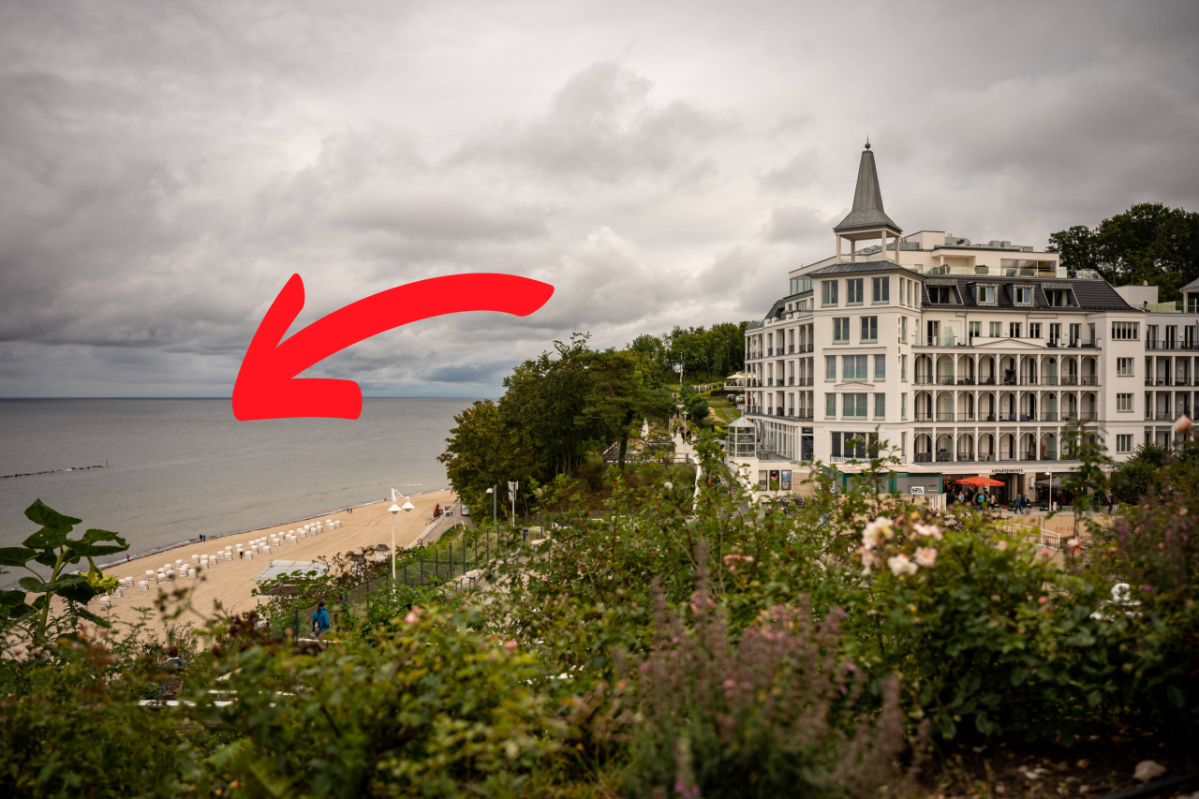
55, 471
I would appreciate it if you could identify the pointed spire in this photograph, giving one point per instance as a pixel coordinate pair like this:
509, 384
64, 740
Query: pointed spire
867, 199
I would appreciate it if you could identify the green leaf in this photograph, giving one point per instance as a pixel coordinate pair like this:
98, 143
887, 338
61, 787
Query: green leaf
89, 546
80, 591
1094, 697
92, 617
41, 513
21, 611
1176, 696
1019, 675
48, 538
46, 558
15, 556
11, 599
37, 586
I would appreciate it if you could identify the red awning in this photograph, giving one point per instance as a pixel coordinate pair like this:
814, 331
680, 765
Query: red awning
979, 482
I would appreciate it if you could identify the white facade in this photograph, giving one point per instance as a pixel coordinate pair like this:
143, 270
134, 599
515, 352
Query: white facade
966, 359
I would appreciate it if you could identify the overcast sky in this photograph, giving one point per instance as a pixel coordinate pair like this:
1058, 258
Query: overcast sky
165, 167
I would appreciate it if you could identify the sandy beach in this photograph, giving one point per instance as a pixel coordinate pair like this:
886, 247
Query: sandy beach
231, 582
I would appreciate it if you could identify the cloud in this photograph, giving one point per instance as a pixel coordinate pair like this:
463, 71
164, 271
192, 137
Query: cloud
602, 126
789, 223
168, 168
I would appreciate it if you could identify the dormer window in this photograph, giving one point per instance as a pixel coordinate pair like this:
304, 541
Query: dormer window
943, 295
984, 294
1022, 295
1060, 298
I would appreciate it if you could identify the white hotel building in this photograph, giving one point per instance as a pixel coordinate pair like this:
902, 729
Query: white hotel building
968, 359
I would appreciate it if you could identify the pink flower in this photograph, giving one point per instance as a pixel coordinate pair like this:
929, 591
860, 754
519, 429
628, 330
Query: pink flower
929, 530
413, 615
876, 531
510, 645
926, 556
901, 565
869, 561
1044, 600
1001, 546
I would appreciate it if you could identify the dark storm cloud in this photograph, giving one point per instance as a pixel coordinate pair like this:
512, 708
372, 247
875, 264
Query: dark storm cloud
166, 168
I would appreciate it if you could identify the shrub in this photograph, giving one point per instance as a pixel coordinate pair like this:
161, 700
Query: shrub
775, 713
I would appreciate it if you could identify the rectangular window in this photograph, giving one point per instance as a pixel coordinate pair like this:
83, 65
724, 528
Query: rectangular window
976, 329
830, 407
1124, 367
1124, 443
828, 292
854, 368
1124, 402
869, 328
854, 406
841, 329
1125, 331
903, 330
942, 295
903, 367
830, 367
881, 289
880, 406
1023, 295
996, 329
1034, 329
902, 288
903, 407
880, 367
911, 284
854, 291
985, 295
1013, 330
1058, 298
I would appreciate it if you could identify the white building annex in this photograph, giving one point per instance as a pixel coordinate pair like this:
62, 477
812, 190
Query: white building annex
967, 359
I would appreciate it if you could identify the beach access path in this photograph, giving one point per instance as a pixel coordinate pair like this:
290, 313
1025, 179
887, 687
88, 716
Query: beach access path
231, 582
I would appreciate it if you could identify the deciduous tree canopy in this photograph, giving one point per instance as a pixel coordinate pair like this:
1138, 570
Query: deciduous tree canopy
1147, 243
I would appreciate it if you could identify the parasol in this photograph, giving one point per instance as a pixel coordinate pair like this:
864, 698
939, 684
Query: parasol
979, 481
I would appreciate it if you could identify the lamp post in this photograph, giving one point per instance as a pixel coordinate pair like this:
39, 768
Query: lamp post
393, 510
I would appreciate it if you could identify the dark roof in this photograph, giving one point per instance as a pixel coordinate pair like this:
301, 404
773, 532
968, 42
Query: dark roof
867, 209
776, 310
862, 266
1091, 295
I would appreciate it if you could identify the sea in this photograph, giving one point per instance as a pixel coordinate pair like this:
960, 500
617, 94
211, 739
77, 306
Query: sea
174, 469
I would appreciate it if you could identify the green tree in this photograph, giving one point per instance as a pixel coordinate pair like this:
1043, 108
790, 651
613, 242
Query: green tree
1149, 243
621, 395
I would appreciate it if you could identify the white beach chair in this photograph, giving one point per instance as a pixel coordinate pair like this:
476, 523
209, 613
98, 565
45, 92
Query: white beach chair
144, 585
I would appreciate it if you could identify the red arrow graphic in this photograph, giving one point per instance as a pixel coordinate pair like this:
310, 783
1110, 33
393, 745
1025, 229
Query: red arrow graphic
267, 387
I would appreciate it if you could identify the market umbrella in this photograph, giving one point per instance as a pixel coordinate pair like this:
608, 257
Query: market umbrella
979, 481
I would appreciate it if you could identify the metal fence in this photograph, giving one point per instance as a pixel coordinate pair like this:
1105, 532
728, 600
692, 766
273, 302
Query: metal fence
437, 564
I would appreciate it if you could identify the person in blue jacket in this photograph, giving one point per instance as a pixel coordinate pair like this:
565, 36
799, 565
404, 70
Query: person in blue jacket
320, 620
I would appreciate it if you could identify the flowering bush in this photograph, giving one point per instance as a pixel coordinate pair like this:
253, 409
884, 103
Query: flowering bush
976, 624
775, 714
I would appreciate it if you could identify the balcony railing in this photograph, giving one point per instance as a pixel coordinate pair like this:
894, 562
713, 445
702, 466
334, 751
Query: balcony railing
805, 415
1185, 346
805, 381
1048, 416
924, 457
1089, 380
806, 347
1164, 416
986, 456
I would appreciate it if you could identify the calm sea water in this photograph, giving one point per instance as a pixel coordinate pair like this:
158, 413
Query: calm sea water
179, 468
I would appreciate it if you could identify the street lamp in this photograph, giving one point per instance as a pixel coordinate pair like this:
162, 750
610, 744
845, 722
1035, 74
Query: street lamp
393, 510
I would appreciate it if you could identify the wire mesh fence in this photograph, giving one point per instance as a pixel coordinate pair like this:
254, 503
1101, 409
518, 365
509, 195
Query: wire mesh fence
445, 563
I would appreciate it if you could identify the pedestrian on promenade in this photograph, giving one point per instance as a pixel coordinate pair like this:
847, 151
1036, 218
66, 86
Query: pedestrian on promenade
320, 620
